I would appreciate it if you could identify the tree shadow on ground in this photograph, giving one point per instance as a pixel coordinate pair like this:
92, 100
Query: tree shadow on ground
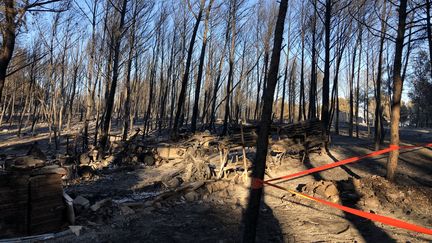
268, 223
414, 161
177, 220
307, 163
189, 222
344, 167
368, 230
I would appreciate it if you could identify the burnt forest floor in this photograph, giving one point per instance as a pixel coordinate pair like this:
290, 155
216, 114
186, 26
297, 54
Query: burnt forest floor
170, 201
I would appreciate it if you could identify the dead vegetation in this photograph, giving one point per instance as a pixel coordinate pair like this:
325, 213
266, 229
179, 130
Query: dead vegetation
149, 176
223, 95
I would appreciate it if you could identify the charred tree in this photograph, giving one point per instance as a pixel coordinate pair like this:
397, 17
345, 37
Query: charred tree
429, 31
397, 90
251, 215
313, 81
378, 111
351, 90
131, 52
184, 83
200, 69
8, 40
233, 13
118, 34
326, 81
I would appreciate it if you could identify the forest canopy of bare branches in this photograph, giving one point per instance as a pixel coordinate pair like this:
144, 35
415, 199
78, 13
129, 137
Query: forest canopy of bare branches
167, 64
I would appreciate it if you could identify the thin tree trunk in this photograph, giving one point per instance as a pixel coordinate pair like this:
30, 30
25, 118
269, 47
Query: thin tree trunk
182, 95
378, 111
200, 69
397, 91
26, 104
283, 90
291, 84
162, 84
218, 78
208, 87
358, 84
429, 31
90, 88
326, 80
127, 104
169, 77
116, 61
251, 215
336, 87
366, 95
73, 93
147, 117
313, 82
231, 65
8, 40
302, 108
351, 95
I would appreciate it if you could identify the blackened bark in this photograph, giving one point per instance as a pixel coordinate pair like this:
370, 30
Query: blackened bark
218, 78
116, 60
231, 66
283, 92
200, 70
358, 84
127, 122
182, 95
378, 111
302, 108
351, 93
251, 215
8, 40
335, 92
312, 90
326, 80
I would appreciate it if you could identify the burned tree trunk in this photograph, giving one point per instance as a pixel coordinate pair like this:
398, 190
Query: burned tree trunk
351, 92
378, 111
302, 102
8, 40
182, 95
366, 94
335, 92
292, 93
429, 31
358, 84
326, 81
313, 82
169, 78
116, 60
127, 122
281, 118
73, 92
231, 66
397, 91
200, 69
90, 100
218, 78
251, 215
